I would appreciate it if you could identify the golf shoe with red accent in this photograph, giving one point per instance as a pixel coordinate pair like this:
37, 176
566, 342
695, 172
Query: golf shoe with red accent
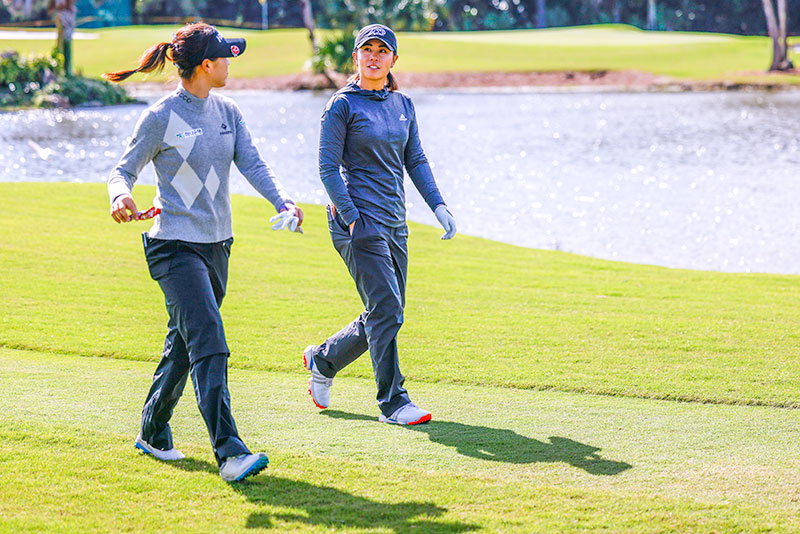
408, 414
319, 385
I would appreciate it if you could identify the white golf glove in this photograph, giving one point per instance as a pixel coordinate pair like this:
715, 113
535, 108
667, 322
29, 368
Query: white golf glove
446, 220
286, 219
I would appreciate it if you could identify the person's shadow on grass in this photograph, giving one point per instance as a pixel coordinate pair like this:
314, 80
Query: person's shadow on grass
501, 445
329, 507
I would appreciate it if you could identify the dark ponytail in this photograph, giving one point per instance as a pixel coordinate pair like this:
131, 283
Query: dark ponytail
152, 59
185, 51
391, 82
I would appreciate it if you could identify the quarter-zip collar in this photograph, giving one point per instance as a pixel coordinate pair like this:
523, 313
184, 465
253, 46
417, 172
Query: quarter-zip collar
353, 88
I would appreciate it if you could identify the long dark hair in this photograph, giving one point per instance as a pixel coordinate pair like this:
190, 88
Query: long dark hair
391, 82
186, 51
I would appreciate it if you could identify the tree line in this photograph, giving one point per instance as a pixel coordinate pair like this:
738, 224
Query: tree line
731, 16
728, 16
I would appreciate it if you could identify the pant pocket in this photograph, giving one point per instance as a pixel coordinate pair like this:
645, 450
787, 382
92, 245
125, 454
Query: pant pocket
159, 254
335, 222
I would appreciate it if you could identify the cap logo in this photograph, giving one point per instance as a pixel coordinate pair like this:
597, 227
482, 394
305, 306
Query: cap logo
234, 50
376, 31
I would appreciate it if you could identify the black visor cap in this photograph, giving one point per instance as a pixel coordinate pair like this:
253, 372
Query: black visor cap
218, 46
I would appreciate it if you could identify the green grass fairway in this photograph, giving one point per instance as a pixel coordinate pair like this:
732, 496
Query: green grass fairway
495, 459
615, 47
554, 381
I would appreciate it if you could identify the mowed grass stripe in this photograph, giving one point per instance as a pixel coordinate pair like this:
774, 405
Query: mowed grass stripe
478, 312
493, 459
590, 35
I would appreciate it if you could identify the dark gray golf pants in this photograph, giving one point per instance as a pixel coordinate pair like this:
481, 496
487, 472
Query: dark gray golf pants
193, 277
377, 258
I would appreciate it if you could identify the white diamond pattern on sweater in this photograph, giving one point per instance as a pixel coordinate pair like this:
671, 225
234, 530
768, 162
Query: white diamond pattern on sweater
212, 183
187, 184
182, 137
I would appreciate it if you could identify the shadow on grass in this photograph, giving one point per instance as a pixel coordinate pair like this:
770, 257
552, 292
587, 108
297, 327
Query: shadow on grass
330, 508
500, 445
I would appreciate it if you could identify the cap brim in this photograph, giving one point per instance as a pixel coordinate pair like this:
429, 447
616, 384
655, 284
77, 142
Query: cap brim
371, 37
226, 48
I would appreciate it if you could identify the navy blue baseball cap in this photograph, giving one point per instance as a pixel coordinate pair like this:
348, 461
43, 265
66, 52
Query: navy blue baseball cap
218, 46
376, 31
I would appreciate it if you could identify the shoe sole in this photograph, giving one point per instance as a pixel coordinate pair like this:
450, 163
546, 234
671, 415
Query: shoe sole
253, 470
147, 451
305, 364
421, 421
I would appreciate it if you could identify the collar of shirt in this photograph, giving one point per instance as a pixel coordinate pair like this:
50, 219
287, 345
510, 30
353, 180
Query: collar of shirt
190, 101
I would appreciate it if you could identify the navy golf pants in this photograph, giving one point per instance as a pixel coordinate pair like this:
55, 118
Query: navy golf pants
193, 277
377, 258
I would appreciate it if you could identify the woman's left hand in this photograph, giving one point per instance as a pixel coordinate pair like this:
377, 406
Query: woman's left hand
447, 221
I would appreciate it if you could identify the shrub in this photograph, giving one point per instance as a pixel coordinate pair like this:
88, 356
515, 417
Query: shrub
79, 90
335, 53
39, 80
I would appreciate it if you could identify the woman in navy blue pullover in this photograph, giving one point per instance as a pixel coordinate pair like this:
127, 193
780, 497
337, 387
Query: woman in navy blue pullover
369, 134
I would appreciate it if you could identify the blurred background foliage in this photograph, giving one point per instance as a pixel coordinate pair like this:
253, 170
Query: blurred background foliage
727, 16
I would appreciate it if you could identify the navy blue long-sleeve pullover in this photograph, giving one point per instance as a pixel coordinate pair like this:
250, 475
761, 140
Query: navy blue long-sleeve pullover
367, 137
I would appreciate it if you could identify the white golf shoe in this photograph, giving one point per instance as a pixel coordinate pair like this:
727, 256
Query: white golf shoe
236, 468
319, 385
409, 414
169, 455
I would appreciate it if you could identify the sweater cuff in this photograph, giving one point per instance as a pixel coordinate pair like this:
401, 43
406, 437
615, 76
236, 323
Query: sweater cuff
117, 190
350, 216
283, 203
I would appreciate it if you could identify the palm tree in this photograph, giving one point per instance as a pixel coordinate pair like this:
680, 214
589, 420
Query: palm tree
777, 31
652, 15
541, 14
64, 12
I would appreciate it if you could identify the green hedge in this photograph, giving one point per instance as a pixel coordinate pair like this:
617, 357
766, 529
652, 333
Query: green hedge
38, 80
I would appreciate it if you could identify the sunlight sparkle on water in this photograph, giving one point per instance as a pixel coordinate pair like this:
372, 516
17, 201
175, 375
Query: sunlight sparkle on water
685, 180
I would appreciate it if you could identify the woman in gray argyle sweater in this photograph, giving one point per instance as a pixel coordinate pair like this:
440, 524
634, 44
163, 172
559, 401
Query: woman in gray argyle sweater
192, 136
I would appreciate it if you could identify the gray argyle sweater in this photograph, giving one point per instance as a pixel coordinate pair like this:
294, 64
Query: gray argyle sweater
192, 142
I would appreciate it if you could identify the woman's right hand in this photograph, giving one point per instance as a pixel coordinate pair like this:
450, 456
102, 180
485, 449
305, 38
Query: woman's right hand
121, 206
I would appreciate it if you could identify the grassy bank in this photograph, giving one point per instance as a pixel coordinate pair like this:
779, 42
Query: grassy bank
508, 316
488, 327
616, 47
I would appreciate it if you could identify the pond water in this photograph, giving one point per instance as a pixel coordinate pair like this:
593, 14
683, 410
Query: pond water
693, 180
